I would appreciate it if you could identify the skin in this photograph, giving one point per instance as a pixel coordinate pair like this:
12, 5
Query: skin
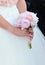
21, 5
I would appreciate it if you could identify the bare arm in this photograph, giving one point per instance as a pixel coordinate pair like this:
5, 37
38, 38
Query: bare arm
4, 24
21, 5
16, 31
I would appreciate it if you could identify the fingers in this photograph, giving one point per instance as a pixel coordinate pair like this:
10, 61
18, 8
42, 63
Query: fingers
24, 32
31, 36
31, 30
31, 33
28, 32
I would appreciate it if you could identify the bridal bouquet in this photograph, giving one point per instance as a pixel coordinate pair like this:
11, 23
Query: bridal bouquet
27, 19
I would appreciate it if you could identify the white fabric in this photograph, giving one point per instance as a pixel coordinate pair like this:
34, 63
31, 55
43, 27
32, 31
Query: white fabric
9, 13
14, 50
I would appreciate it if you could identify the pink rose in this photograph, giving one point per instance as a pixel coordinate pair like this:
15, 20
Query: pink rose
24, 23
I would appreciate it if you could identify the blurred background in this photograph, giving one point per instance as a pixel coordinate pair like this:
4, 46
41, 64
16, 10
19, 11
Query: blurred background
38, 6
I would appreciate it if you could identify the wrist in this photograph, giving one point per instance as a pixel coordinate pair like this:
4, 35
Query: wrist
10, 28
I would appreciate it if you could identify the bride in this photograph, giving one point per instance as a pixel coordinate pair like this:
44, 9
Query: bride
14, 49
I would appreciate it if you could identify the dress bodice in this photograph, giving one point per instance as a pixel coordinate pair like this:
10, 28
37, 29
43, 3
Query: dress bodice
9, 13
8, 2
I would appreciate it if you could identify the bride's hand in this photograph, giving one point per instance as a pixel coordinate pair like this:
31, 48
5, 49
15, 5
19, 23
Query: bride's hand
31, 33
17, 31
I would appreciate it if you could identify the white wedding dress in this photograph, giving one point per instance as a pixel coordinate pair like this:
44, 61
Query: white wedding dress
14, 50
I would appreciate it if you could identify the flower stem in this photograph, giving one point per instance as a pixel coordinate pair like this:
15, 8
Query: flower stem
30, 45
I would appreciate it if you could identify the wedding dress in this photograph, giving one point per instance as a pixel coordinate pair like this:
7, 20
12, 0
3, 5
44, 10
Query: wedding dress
14, 50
